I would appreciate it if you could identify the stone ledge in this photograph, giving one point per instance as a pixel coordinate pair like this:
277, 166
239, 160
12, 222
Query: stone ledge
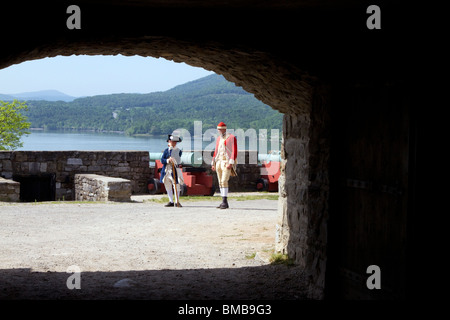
9, 190
132, 165
94, 187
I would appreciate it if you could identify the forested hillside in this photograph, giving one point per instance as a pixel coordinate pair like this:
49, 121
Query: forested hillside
210, 99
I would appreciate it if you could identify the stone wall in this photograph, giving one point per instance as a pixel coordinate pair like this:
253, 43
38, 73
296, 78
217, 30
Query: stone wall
9, 190
131, 165
304, 189
94, 187
277, 70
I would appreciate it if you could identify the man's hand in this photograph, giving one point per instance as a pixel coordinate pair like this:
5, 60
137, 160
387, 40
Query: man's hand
213, 168
229, 166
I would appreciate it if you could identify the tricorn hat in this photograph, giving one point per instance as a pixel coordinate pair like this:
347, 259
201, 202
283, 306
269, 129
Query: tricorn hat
221, 126
172, 137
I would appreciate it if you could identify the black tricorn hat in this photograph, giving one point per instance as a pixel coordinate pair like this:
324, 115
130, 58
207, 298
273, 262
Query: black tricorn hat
172, 137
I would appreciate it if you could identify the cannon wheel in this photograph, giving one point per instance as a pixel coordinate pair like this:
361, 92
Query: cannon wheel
262, 184
153, 186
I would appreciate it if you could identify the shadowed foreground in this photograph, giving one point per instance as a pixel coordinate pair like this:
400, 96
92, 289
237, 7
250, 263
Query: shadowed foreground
275, 282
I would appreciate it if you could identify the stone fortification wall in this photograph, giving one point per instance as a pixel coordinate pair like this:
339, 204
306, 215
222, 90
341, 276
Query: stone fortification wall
63, 165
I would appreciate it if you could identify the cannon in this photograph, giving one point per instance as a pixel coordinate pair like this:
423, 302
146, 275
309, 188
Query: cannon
196, 180
191, 159
269, 157
270, 172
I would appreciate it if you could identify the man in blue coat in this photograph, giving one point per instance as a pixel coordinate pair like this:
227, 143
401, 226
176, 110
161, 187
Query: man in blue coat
172, 179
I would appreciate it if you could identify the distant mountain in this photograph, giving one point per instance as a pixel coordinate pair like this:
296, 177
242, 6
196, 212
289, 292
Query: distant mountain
6, 97
211, 99
212, 84
47, 95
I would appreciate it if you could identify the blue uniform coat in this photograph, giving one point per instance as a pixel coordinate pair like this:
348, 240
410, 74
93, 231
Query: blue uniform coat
166, 155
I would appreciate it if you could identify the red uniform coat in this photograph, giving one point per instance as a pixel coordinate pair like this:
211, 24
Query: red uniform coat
230, 147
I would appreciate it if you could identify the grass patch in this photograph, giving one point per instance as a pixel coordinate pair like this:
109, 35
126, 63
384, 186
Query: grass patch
216, 198
158, 200
83, 202
281, 258
231, 235
183, 199
251, 256
256, 197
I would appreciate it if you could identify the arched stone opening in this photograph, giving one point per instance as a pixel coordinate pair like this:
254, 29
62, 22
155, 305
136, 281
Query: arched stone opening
313, 62
284, 88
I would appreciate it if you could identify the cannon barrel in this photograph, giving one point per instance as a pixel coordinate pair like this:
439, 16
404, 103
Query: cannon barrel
187, 158
269, 157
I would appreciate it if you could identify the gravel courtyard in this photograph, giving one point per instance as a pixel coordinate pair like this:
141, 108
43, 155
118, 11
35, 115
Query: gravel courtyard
141, 250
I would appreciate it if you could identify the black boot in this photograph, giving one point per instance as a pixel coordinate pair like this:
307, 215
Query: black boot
169, 204
224, 204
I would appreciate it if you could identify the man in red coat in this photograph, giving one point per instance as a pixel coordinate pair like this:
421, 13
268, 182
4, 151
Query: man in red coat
224, 160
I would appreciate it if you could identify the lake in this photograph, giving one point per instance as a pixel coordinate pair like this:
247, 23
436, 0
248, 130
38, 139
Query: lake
59, 140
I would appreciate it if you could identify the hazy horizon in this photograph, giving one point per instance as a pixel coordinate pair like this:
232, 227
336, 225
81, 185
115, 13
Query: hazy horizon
85, 76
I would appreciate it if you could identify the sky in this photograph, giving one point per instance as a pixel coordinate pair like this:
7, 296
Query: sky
94, 75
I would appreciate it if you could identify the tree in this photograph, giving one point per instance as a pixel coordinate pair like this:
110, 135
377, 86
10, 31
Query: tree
12, 124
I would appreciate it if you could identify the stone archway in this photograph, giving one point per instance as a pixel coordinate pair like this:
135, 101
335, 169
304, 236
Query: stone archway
303, 187
293, 56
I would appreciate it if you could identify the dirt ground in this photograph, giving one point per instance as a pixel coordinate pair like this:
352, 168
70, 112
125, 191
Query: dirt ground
141, 250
